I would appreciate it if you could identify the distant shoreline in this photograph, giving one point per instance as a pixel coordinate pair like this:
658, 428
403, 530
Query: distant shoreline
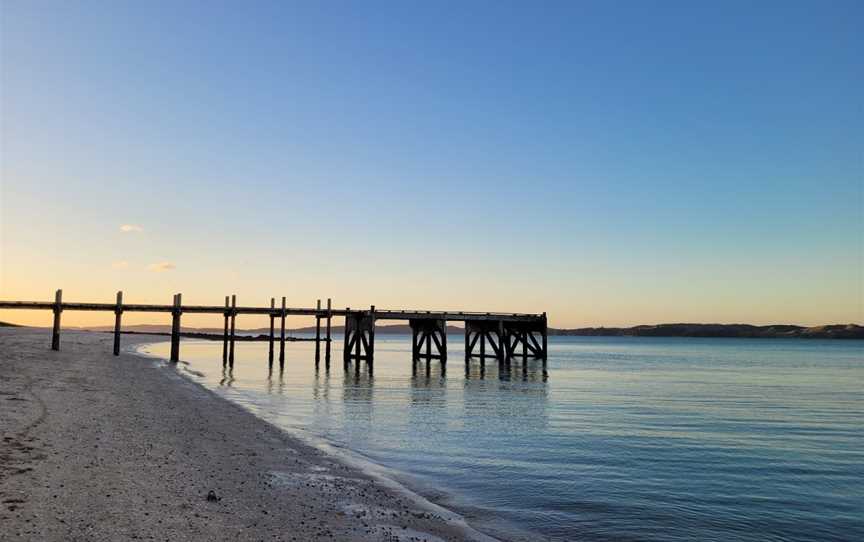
746, 331
776, 331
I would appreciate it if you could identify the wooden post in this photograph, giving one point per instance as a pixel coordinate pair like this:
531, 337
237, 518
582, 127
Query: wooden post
358, 339
58, 308
501, 346
175, 328
545, 340
415, 348
444, 345
233, 327
173, 321
118, 311
318, 333
429, 335
327, 346
357, 362
282, 336
272, 320
225, 334
444, 350
345, 353
482, 349
370, 348
525, 346
467, 344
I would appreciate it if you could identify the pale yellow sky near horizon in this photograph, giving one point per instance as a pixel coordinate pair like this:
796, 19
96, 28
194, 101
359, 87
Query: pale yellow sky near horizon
587, 284
579, 297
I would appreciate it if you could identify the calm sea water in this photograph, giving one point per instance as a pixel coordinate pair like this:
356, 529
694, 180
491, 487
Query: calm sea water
625, 439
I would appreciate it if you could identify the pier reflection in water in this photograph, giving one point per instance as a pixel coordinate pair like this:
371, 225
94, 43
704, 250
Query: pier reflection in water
227, 376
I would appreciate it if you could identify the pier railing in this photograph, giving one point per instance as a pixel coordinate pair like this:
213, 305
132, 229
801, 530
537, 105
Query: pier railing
508, 335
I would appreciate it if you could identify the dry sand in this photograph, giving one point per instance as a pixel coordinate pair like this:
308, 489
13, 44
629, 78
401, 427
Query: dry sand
97, 447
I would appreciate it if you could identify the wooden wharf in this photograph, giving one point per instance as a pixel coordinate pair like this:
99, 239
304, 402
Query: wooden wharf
507, 335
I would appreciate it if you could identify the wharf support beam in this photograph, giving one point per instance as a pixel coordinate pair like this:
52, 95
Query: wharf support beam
483, 332
359, 336
522, 339
424, 333
506, 339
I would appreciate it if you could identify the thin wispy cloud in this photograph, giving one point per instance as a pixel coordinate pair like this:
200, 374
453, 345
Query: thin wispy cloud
122, 264
131, 228
160, 267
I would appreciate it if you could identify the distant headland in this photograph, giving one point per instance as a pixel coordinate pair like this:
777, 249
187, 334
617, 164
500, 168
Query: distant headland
837, 331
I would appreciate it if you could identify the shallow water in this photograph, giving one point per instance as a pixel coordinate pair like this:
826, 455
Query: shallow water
626, 439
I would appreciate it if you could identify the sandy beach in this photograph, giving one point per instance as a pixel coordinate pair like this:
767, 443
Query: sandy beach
98, 447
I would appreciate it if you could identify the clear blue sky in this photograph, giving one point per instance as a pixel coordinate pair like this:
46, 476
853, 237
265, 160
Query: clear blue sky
608, 162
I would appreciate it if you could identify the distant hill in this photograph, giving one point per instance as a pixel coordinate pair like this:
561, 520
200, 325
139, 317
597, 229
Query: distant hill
838, 331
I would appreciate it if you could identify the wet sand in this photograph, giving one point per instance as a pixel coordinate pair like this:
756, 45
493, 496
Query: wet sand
98, 447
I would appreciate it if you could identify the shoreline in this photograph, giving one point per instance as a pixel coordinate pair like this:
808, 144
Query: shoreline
425, 493
394, 479
102, 447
